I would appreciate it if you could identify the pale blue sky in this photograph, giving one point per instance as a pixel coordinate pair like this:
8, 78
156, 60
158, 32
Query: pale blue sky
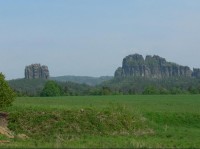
91, 37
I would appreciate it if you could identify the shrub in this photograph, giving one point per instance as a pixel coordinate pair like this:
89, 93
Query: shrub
7, 95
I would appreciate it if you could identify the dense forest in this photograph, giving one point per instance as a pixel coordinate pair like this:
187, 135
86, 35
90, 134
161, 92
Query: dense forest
35, 87
120, 85
140, 85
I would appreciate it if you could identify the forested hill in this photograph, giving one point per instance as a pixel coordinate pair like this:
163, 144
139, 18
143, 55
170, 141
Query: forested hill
92, 81
34, 87
69, 85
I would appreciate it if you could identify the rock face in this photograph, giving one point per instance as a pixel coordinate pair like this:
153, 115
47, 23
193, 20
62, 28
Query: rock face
196, 72
152, 67
36, 71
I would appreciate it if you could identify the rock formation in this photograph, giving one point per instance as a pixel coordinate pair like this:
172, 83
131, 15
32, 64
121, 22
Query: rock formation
36, 71
196, 72
153, 67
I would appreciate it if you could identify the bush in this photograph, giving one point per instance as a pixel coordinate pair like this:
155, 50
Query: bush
7, 95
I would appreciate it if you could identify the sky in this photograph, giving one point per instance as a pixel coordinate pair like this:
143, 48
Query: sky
91, 37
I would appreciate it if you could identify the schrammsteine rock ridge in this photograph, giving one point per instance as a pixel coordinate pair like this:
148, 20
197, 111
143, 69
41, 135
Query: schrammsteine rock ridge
153, 67
36, 71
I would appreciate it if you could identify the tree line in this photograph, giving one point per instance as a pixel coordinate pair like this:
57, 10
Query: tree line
116, 86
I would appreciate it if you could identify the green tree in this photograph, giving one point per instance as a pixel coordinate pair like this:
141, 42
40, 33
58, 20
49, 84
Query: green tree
106, 91
150, 90
51, 88
7, 95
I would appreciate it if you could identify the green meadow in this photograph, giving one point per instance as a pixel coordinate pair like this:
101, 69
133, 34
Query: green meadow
140, 121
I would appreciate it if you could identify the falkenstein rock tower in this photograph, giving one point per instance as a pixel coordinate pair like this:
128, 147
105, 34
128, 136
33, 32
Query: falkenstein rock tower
153, 67
36, 71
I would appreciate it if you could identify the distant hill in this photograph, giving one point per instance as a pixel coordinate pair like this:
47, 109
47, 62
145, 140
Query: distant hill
73, 85
92, 81
30, 87
33, 87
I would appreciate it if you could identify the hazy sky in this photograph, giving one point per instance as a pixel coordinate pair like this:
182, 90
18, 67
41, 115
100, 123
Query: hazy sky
91, 37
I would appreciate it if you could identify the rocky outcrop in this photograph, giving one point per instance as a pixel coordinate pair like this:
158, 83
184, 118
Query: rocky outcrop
196, 72
36, 71
152, 67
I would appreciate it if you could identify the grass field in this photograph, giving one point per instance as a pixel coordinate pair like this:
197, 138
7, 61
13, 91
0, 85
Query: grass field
106, 121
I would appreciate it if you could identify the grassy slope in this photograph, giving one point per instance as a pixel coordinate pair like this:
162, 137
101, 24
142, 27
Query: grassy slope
175, 120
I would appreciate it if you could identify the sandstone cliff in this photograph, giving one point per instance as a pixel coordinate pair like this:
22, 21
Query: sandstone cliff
196, 72
153, 67
36, 71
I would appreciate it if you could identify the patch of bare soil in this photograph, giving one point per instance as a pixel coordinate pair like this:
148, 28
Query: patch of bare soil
5, 131
3, 119
3, 127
